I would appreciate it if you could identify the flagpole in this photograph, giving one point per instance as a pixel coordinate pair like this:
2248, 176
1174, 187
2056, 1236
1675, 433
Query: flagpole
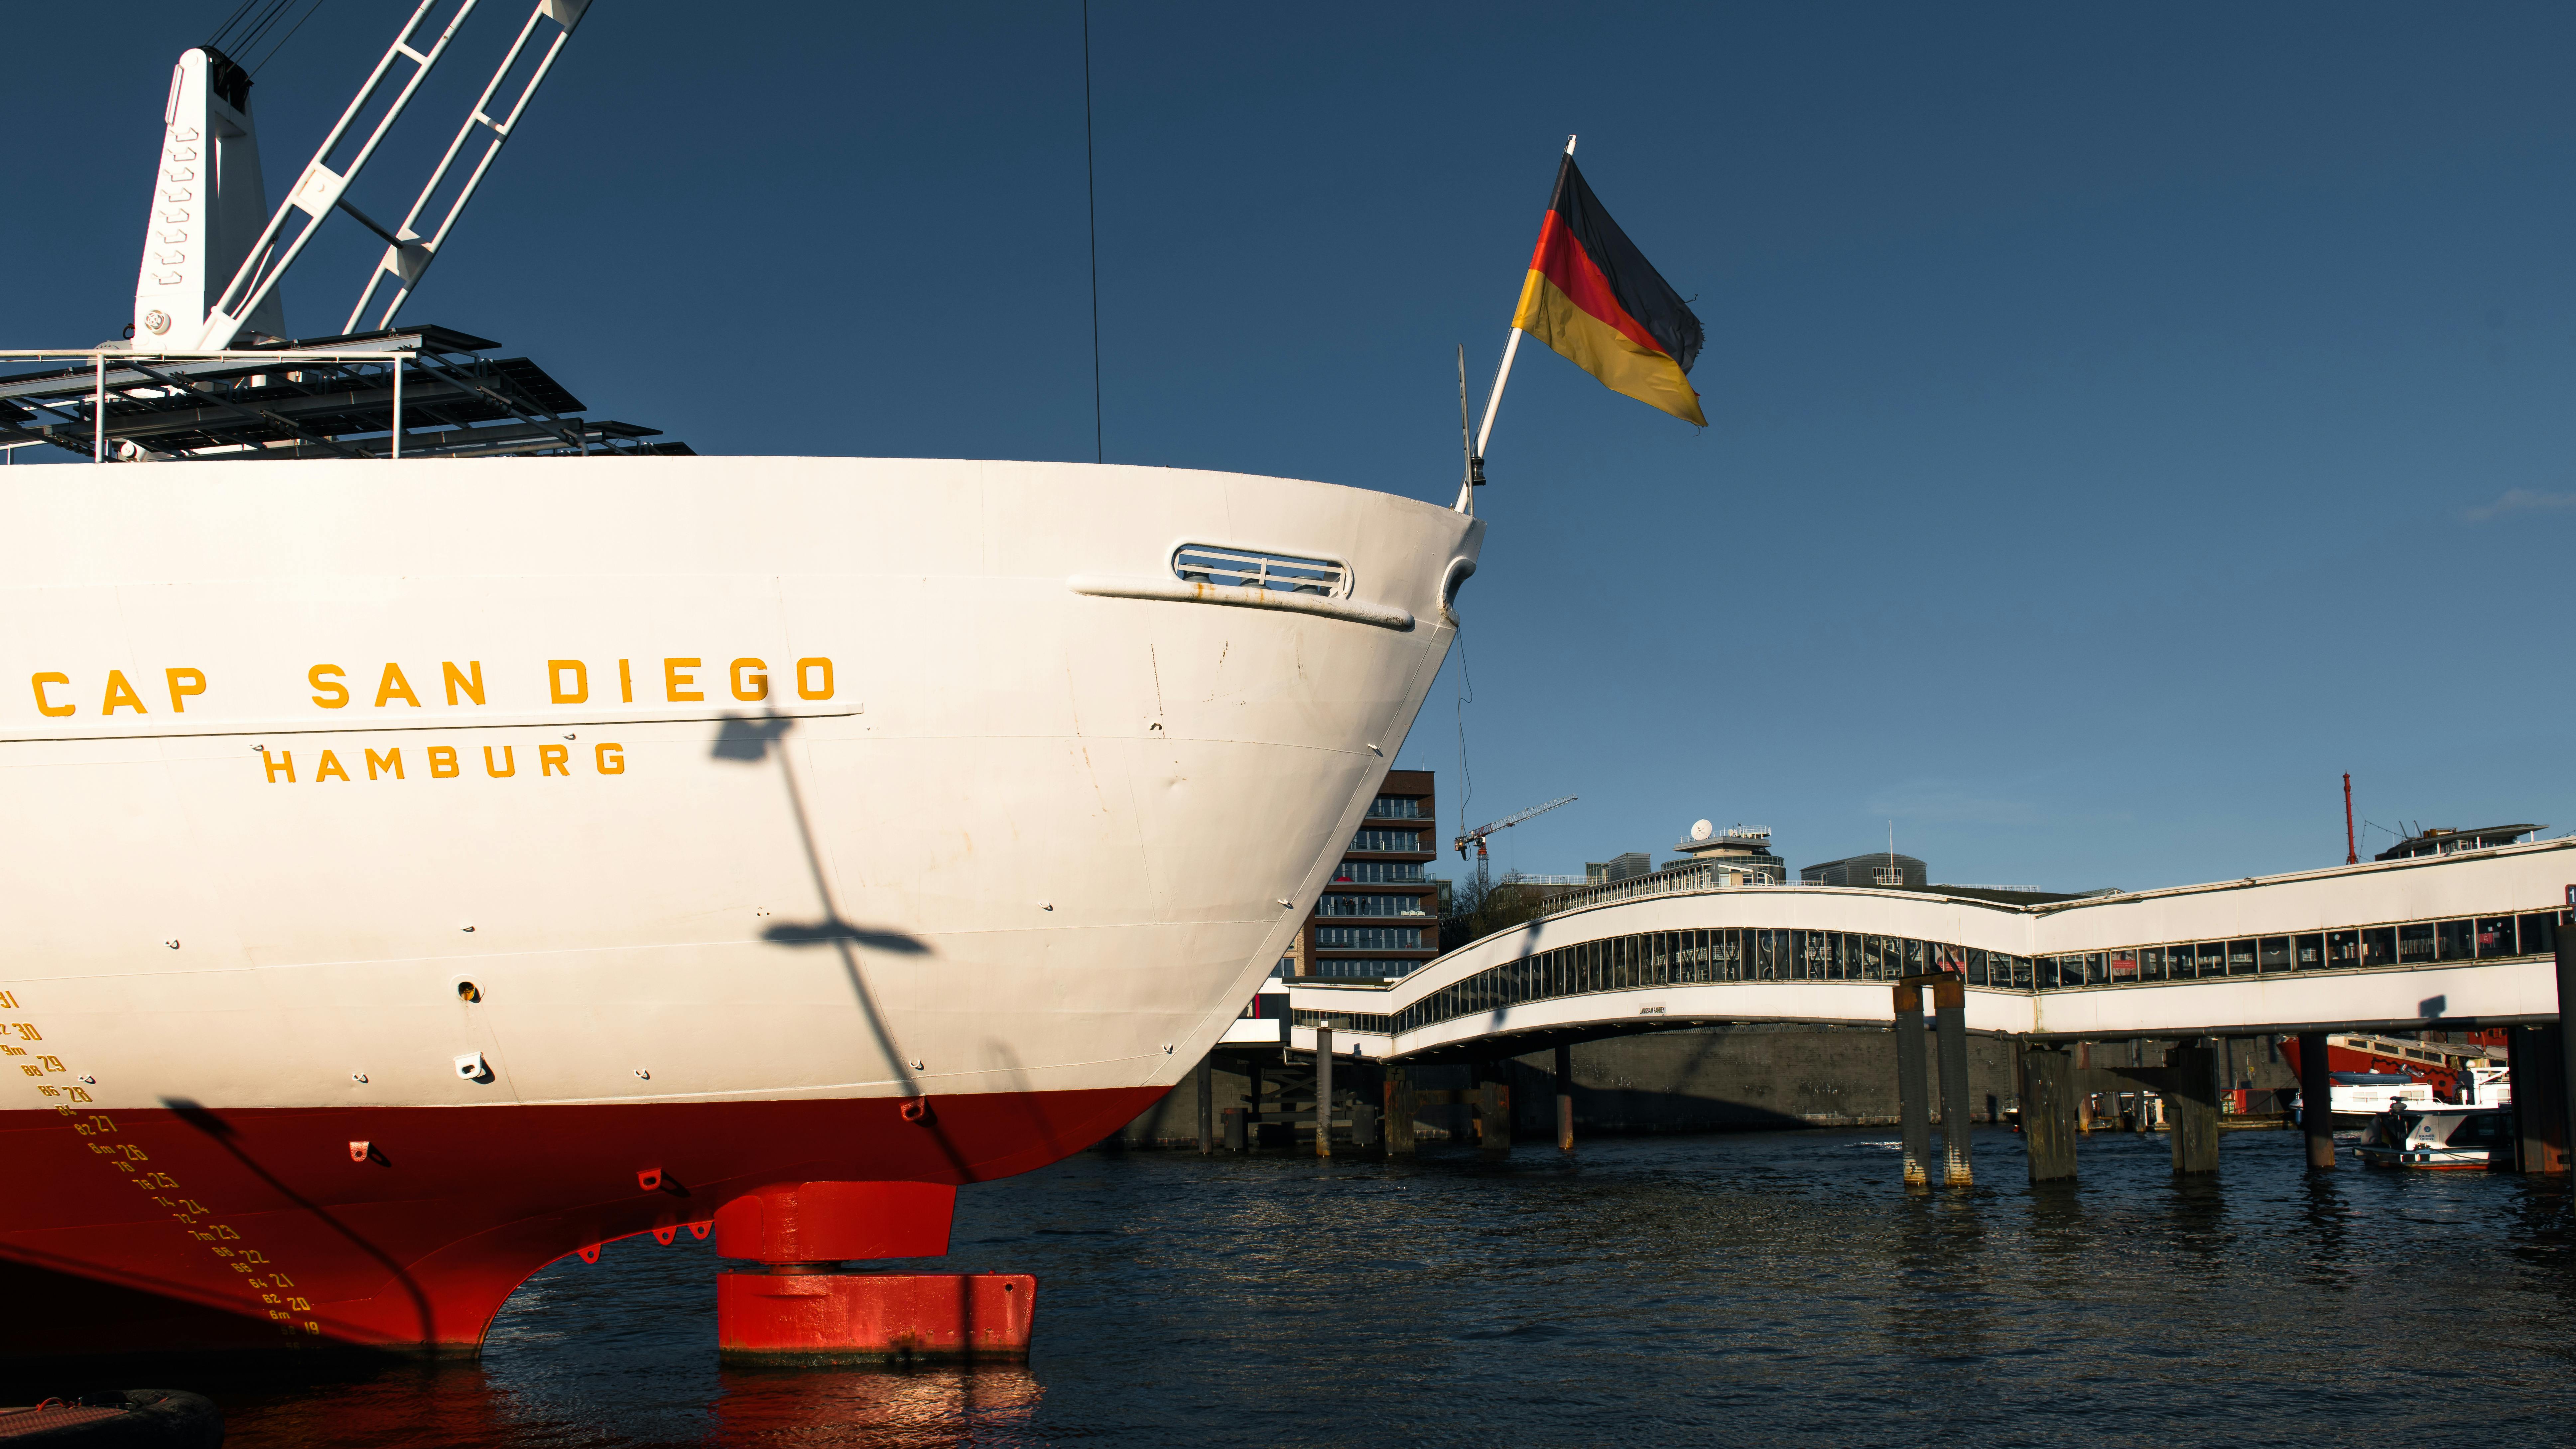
1494, 403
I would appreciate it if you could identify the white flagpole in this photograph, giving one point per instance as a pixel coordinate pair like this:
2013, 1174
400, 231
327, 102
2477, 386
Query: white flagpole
1502, 375
1493, 404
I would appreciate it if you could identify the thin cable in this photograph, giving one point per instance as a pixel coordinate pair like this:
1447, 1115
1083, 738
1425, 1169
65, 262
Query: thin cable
258, 29
215, 41
290, 35
1466, 697
1091, 195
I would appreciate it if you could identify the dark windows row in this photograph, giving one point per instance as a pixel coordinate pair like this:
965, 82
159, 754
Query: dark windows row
1380, 872
1396, 807
1368, 968
1682, 958
1336, 904
1387, 839
1368, 938
2477, 938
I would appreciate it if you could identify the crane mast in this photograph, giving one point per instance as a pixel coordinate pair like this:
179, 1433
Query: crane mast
249, 300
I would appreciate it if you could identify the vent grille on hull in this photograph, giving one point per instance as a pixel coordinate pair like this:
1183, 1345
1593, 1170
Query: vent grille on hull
1197, 563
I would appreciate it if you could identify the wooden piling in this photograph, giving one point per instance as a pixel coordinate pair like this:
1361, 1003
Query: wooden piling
1565, 1098
1958, 1116
1913, 1090
1207, 1104
2191, 1107
2316, 1101
1494, 1111
1400, 1108
2048, 1112
1323, 1091
2566, 1083
2084, 1096
2539, 1113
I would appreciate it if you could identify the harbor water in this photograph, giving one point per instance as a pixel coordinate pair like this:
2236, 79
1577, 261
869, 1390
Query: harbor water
1775, 1288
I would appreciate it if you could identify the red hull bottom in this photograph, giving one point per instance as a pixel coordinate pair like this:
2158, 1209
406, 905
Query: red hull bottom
873, 1317
193, 1229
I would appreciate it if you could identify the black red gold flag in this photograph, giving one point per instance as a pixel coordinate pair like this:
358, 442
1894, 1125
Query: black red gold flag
1595, 298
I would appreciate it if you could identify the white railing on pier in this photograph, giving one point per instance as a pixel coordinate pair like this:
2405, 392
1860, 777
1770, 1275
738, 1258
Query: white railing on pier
1699, 875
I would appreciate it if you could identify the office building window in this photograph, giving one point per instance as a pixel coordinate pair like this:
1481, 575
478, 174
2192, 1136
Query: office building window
1365, 968
1337, 904
1368, 938
1380, 872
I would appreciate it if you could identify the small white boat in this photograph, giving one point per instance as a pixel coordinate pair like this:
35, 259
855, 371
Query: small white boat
2438, 1138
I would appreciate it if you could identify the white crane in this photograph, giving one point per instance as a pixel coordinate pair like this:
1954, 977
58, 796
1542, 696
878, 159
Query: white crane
178, 305
1507, 822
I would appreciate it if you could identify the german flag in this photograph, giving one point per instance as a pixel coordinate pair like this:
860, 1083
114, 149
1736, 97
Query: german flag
1594, 297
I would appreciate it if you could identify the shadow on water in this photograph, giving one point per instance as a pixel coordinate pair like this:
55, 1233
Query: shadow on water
2324, 1229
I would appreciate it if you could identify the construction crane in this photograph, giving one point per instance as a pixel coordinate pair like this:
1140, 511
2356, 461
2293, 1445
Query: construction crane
1507, 822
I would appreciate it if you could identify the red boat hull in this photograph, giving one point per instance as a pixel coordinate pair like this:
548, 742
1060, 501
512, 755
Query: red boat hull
188, 1228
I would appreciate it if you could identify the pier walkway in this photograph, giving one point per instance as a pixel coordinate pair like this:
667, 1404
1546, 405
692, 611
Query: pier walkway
2455, 942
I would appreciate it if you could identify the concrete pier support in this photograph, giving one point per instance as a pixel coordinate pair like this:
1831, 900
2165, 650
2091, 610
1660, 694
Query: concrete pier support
2316, 1101
1494, 1110
1913, 1088
2566, 1083
2048, 1112
1323, 1091
1958, 1114
1400, 1107
2084, 1099
1207, 1105
1565, 1099
2539, 1109
2191, 1108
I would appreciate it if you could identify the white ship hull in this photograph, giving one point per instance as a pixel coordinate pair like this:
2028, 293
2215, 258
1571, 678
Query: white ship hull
1011, 814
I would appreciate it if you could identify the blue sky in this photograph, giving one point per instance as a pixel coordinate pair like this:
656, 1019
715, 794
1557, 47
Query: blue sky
2123, 422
